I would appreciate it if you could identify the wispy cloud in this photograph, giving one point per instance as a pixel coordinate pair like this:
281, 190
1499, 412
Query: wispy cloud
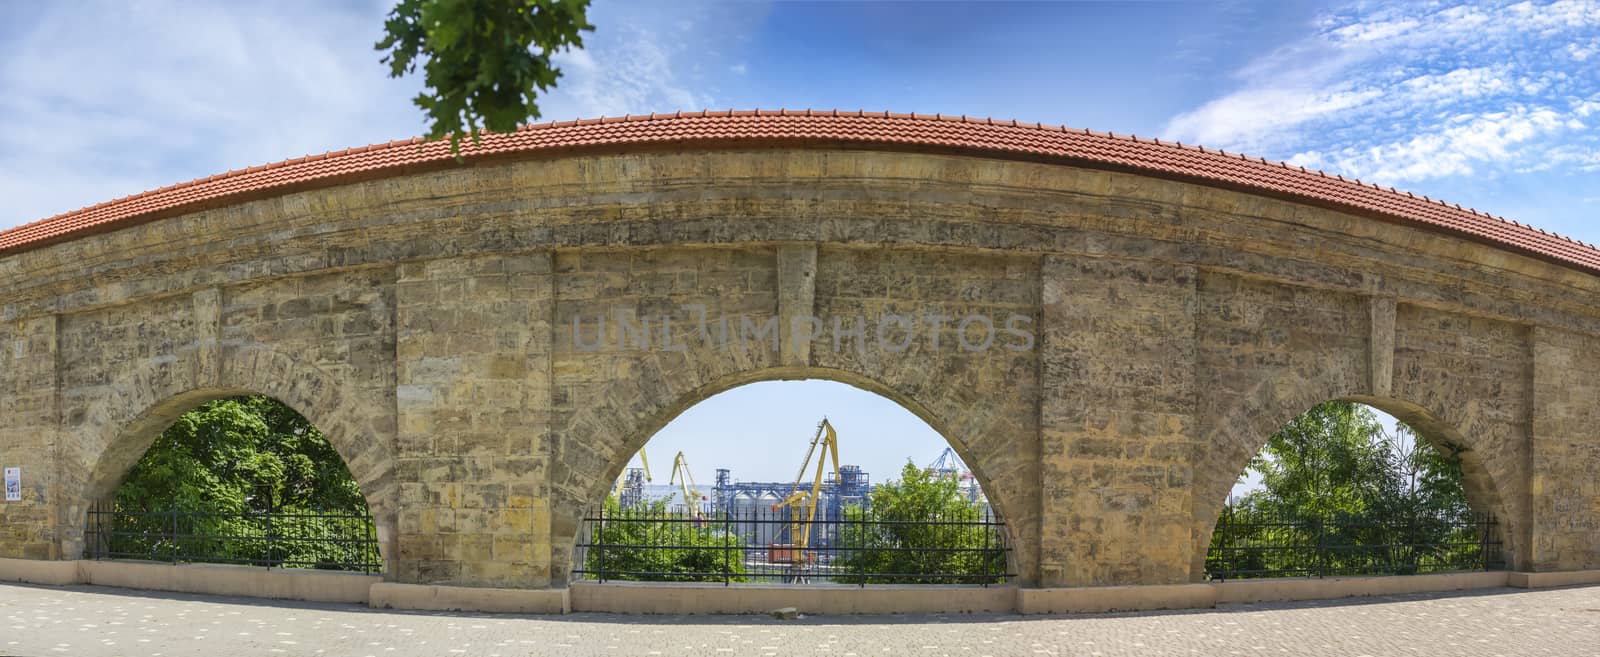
114, 98
1413, 92
653, 57
111, 99
635, 71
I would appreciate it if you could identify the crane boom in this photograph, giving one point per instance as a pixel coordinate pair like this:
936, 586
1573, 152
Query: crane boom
802, 503
685, 481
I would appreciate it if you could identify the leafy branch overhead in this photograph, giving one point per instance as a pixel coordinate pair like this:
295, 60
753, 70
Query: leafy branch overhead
484, 61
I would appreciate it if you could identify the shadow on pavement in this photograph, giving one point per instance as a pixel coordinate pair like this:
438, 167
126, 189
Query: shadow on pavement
751, 619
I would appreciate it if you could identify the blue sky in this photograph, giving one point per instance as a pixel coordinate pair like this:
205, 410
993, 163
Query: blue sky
1493, 106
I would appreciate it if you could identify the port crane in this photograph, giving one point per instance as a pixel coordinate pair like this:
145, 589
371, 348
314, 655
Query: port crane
802, 502
950, 466
685, 482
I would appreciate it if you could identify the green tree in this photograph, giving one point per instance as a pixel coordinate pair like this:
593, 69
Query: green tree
1328, 461
928, 527
483, 60
670, 546
1354, 497
220, 469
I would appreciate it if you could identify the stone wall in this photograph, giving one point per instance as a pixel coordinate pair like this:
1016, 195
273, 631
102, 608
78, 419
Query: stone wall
444, 330
29, 430
1564, 486
473, 450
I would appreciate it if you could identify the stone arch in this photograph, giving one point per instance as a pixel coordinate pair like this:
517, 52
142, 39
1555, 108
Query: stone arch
607, 468
116, 428
1241, 432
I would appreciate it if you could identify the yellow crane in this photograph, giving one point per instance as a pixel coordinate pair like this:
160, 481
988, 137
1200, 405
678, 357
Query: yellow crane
685, 482
622, 480
802, 503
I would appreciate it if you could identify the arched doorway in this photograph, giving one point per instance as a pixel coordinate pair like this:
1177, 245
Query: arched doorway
234, 479
808, 481
1348, 489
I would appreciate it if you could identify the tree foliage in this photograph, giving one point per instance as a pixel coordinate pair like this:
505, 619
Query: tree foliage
931, 528
1338, 459
483, 61
1353, 496
220, 469
670, 546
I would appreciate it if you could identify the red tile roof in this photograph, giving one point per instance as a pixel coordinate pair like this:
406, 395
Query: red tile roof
784, 127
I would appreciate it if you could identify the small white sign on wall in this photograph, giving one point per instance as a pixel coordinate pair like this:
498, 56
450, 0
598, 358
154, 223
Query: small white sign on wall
13, 484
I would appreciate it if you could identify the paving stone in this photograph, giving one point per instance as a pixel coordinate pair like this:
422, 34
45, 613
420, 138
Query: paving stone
98, 621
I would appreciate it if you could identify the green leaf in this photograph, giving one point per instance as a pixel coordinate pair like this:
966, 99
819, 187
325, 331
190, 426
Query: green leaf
484, 61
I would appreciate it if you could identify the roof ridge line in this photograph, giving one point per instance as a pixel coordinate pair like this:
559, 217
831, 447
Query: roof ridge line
1162, 157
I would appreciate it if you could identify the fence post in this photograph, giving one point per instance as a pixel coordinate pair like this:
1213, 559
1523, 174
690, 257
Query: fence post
1485, 525
1322, 548
601, 545
1225, 527
268, 564
1413, 562
861, 546
174, 536
94, 528
727, 547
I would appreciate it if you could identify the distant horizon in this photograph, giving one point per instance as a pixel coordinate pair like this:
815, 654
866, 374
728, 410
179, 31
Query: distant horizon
786, 413
761, 431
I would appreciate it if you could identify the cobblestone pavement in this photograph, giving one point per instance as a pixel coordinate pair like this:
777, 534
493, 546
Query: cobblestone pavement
92, 621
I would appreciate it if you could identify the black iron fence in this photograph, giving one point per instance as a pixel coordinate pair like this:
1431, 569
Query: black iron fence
758, 544
327, 541
1249, 544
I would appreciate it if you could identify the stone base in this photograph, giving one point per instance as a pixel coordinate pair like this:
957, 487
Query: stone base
1286, 589
33, 571
386, 595
219, 579
210, 579
1546, 580
1096, 599
655, 598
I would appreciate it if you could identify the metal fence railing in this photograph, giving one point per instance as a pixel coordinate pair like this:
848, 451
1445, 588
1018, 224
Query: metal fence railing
1248, 544
758, 544
327, 541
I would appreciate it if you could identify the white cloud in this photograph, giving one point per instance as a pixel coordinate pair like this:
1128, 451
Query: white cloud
1458, 84
1458, 149
118, 98
1410, 92
115, 98
634, 74
1374, 31
1241, 120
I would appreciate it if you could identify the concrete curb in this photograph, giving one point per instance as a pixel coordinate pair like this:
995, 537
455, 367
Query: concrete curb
387, 595
659, 598
656, 598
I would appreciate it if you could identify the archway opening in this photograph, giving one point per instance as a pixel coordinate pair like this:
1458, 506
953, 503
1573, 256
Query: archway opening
241, 480
1346, 489
797, 482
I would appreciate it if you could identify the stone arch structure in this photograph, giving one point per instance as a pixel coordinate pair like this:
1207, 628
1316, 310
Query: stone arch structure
118, 427
436, 317
641, 424
1417, 374
1272, 407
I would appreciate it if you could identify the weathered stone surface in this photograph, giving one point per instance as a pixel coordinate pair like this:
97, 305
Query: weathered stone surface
486, 346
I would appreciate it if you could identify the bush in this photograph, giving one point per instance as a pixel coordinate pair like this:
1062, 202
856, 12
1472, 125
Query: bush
658, 545
913, 543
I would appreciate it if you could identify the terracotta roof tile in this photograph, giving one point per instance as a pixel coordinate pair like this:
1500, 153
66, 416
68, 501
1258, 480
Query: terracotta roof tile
980, 136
